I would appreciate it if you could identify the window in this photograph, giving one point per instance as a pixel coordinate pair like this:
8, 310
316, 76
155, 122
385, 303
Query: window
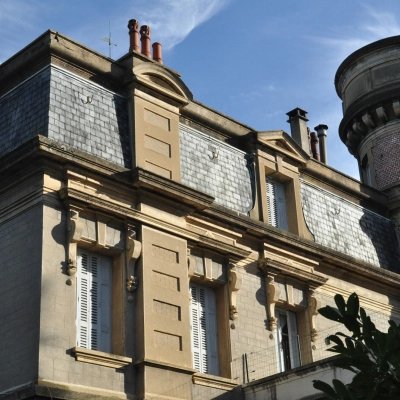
366, 171
204, 329
288, 349
276, 202
94, 297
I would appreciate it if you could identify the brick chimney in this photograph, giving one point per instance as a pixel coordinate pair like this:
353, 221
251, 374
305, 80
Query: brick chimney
145, 40
298, 128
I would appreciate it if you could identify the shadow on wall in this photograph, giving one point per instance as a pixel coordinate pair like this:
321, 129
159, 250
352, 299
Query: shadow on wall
387, 251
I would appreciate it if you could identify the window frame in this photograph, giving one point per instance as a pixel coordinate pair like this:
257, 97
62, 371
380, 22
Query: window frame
276, 203
201, 272
112, 358
293, 359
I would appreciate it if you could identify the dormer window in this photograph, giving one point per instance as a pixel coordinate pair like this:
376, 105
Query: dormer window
276, 203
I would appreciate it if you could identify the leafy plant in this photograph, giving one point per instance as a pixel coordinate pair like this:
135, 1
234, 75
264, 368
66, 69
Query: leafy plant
373, 356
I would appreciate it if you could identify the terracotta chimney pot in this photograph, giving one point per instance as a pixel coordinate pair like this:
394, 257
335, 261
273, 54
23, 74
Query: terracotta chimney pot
133, 26
145, 39
157, 52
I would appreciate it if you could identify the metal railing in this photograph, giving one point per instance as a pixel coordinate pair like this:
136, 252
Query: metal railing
265, 362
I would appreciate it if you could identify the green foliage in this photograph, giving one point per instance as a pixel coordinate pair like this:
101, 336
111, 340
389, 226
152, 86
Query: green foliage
373, 356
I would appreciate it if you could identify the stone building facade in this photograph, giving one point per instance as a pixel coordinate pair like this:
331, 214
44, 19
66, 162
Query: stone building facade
154, 248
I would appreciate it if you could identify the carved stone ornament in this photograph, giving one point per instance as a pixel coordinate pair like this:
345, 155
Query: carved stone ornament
74, 231
273, 293
191, 263
133, 251
235, 282
313, 306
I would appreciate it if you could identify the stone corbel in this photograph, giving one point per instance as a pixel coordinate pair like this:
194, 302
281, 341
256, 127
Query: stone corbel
74, 231
235, 282
313, 306
133, 251
396, 108
272, 291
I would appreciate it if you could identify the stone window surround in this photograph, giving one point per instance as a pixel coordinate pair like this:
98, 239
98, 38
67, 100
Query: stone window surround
227, 312
279, 169
131, 254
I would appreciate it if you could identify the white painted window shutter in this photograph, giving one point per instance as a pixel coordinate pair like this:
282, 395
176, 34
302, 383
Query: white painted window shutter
293, 340
204, 330
276, 202
94, 301
83, 311
196, 339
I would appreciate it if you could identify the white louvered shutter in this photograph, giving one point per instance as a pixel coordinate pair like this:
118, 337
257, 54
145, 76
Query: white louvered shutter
271, 202
204, 330
276, 202
83, 301
94, 301
194, 313
293, 340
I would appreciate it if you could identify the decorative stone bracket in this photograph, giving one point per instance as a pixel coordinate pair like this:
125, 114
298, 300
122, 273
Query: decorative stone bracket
235, 282
133, 251
271, 269
313, 305
272, 292
74, 229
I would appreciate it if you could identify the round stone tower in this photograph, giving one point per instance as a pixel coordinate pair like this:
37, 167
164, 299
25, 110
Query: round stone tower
368, 82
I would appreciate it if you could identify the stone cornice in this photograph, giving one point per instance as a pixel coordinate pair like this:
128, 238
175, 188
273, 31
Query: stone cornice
326, 257
149, 181
52, 47
280, 268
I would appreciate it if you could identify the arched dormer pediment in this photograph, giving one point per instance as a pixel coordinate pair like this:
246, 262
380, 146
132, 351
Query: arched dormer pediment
160, 79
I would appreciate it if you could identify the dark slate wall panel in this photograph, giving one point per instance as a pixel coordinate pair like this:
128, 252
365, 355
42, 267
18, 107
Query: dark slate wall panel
88, 117
217, 169
24, 112
349, 228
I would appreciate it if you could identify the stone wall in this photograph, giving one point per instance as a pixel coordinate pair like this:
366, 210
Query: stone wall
58, 333
20, 277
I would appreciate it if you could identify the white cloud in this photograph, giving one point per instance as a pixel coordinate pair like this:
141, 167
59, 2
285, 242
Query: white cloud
376, 25
173, 20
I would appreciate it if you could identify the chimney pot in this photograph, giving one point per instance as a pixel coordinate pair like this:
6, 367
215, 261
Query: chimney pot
157, 52
321, 130
145, 39
133, 26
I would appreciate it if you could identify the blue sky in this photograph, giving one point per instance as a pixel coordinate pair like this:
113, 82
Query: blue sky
253, 60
